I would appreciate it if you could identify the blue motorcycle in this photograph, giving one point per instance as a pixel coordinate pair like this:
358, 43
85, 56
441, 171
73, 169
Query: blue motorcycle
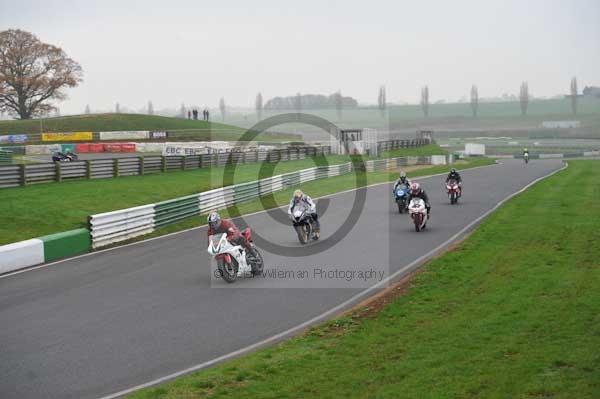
401, 197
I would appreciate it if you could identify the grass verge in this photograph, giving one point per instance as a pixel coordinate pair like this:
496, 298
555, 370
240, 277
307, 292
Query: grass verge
512, 312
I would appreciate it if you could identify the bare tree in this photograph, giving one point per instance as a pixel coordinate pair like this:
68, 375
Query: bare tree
150, 108
381, 100
33, 73
298, 103
574, 95
339, 104
117, 109
259, 106
474, 100
222, 107
425, 100
524, 98
182, 111
87, 109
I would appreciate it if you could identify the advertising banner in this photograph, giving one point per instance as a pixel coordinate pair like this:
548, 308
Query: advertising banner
70, 136
182, 150
121, 135
13, 138
159, 135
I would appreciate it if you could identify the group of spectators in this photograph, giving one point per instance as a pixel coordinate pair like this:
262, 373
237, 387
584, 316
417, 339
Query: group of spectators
194, 114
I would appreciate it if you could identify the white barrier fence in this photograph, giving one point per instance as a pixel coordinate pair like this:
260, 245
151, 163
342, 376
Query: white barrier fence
111, 227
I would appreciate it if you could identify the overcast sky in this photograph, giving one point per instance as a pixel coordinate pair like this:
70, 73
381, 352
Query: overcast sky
197, 51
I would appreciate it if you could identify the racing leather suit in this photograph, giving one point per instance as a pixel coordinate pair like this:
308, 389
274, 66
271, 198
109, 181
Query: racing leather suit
233, 234
310, 205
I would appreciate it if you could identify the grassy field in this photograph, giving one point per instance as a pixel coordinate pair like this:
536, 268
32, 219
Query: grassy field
41, 209
200, 130
512, 312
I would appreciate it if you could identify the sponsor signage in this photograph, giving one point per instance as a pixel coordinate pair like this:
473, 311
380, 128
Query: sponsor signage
70, 136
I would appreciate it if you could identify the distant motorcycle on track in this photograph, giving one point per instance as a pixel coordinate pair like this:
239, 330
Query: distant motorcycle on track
418, 213
401, 197
453, 191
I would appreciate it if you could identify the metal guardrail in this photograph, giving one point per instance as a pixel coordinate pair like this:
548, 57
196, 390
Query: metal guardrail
394, 163
22, 175
6, 156
112, 227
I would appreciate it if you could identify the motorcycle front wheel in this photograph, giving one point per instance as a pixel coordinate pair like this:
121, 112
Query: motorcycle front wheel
303, 233
227, 270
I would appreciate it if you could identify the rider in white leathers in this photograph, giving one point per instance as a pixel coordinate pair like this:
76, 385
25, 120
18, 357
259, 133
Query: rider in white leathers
301, 198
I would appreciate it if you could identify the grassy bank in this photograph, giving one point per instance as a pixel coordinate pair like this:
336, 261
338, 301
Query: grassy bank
186, 128
513, 312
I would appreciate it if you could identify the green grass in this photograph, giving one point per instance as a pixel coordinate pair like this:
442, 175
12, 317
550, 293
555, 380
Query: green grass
42, 209
513, 312
191, 129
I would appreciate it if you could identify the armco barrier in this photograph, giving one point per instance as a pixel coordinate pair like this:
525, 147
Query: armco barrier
112, 227
11, 176
65, 244
43, 249
393, 163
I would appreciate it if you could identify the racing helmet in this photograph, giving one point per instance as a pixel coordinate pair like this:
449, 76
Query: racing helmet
415, 188
453, 171
403, 175
298, 194
214, 220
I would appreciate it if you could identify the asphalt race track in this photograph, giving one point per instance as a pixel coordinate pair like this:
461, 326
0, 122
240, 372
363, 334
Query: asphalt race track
99, 324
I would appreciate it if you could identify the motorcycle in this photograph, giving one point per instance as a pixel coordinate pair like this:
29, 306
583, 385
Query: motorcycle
418, 213
453, 191
232, 260
401, 195
304, 225
68, 157
526, 157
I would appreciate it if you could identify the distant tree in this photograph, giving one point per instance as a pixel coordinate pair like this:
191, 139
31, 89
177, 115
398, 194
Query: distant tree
339, 104
574, 95
182, 112
309, 101
259, 106
425, 100
33, 73
474, 100
87, 109
381, 100
150, 108
222, 107
298, 103
56, 111
117, 109
524, 98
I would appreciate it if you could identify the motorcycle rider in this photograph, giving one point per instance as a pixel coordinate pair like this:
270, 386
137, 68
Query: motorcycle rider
216, 225
301, 198
416, 191
403, 180
454, 175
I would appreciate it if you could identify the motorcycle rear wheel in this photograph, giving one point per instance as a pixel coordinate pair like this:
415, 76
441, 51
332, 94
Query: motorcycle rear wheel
258, 264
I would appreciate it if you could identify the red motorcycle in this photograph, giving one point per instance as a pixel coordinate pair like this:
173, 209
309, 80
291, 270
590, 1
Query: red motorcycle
453, 190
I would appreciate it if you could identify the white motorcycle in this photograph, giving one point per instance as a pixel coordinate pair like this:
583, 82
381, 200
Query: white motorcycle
418, 213
232, 260
304, 225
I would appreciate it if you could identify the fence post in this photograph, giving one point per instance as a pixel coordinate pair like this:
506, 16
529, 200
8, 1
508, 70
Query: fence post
183, 162
116, 167
57, 172
88, 169
141, 162
163, 165
23, 174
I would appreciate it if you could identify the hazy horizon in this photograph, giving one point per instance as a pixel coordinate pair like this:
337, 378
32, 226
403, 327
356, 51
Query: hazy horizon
197, 52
